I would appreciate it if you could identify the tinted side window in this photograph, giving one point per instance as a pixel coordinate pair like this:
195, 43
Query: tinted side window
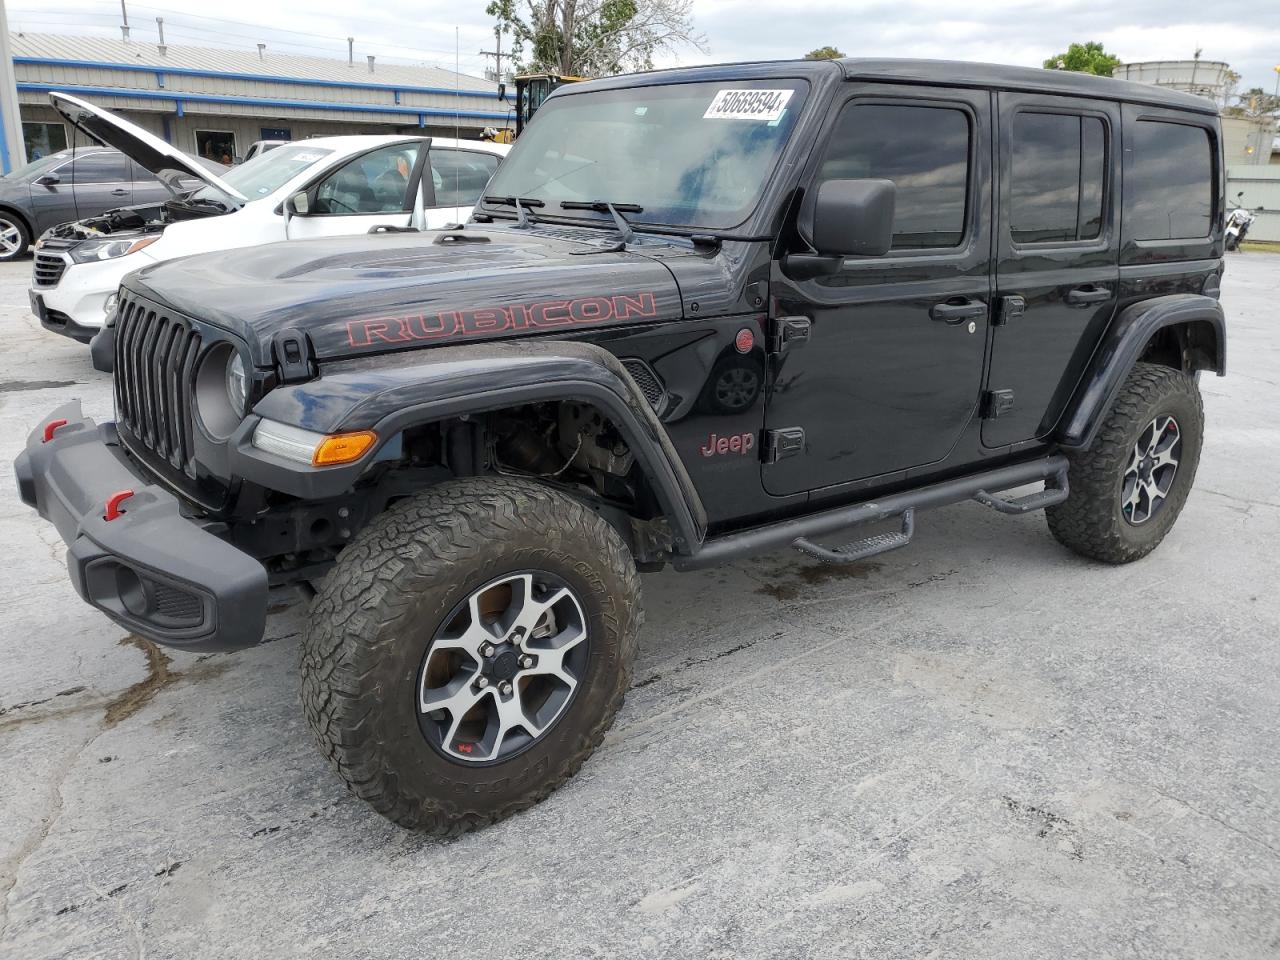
96, 168
1169, 189
460, 176
923, 150
1058, 175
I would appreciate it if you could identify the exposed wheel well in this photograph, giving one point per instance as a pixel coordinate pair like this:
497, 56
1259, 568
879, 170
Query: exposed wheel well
1185, 346
568, 444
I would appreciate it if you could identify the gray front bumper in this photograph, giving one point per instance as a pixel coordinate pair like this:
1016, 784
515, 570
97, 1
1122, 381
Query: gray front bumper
151, 569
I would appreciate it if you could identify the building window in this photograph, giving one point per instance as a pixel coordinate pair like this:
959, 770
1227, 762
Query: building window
1058, 176
923, 150
216, 145
42, 139
276, 133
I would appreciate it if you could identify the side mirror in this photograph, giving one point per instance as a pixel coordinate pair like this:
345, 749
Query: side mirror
49, 180
845, 218
854, 218
298, 204
502, 92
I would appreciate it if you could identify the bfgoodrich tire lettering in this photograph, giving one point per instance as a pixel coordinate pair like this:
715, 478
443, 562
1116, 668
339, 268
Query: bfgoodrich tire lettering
374, 618
1092, 520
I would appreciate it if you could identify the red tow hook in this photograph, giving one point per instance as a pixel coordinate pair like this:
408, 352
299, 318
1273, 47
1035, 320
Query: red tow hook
113, 504
50, 427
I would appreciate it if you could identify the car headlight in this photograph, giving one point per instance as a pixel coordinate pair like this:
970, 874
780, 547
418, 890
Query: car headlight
87, 251
310, 448
221, 391
237, 385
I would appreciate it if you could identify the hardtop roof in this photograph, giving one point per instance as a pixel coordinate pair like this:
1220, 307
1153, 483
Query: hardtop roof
956, 73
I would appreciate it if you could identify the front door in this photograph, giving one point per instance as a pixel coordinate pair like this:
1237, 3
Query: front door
378, 188
1056, 271
891, 373
91, 184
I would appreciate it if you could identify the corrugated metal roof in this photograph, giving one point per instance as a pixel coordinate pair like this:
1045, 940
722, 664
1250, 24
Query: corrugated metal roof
139, 53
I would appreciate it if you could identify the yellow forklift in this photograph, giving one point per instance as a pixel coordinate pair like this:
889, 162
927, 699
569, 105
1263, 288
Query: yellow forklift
531, 90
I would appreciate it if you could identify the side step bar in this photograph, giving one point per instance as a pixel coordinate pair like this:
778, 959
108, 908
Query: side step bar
861, 549
982, 487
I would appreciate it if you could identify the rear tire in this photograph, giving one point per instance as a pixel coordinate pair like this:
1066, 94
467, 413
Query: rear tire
14, 237
394, 627
1129, 487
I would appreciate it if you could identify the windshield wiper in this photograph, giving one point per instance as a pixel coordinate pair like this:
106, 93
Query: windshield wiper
523, 219
604, 206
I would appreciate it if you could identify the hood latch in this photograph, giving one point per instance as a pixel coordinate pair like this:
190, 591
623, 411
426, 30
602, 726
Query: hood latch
294, 359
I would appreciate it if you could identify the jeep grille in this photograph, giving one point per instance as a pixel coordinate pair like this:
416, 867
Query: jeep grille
156, 353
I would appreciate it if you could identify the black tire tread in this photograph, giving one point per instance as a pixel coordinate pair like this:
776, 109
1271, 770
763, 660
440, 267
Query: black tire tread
1086, 522
412, 544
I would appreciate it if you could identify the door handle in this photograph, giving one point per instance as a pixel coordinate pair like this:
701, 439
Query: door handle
1084, 296
119, 193
956, 310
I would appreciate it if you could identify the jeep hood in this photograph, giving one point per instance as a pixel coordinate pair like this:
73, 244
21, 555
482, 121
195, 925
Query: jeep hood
362, 295
147, 150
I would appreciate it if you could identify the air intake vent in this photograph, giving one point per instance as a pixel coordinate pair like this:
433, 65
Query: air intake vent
653, 389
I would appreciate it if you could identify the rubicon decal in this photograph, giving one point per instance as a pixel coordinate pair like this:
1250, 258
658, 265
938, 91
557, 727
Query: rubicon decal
545, 315
738, 443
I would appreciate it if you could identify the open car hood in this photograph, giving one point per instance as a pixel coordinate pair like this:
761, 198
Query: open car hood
147, 150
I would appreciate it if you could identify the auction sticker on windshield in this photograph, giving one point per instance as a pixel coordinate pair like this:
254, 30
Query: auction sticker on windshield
766, 105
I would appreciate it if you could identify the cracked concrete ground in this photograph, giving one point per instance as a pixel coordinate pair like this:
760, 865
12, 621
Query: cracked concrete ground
978, 747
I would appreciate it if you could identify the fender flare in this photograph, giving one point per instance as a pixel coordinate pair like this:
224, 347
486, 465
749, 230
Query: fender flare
391, 393
1120, 349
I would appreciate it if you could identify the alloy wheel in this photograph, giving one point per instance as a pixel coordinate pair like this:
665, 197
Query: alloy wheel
503, 668
1149, 476
10, 238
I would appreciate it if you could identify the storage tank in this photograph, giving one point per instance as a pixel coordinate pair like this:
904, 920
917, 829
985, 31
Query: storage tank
1205, 78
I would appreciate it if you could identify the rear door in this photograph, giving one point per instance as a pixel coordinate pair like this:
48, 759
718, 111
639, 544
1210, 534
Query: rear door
891, 374
1057, 273
458, 178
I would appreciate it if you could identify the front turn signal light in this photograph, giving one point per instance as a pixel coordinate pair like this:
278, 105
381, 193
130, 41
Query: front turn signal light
343, 448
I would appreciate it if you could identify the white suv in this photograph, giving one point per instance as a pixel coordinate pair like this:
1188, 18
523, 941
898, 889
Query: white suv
313, 188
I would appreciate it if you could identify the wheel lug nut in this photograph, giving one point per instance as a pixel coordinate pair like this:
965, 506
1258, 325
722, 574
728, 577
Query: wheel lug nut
505, 688
482, 682
526, 661
486, 650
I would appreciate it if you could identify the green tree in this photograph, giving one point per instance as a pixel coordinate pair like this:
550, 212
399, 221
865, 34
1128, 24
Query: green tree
1254, 104
824, 53
594, 38
1084, 58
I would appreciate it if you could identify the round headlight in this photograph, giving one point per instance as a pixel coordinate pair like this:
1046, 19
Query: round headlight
237, 384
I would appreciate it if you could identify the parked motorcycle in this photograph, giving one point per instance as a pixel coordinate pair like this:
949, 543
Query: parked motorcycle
1238, 222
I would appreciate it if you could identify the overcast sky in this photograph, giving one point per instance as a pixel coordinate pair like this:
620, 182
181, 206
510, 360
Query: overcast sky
1245, 33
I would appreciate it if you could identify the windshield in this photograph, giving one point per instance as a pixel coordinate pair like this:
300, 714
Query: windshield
688, 155
265, 173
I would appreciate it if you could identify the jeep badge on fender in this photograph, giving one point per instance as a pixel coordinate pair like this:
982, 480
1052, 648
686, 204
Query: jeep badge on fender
698, 314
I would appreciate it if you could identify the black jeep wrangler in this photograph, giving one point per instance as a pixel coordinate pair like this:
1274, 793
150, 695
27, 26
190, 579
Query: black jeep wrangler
698, 314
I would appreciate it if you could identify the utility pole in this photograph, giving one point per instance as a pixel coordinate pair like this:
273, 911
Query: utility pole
13, 152
496, 53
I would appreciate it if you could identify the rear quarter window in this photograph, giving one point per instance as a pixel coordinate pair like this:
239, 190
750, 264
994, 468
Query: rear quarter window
1169, 187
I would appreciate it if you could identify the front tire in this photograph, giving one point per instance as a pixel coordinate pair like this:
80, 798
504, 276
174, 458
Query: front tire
1129, 487
469, 651
14, 237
